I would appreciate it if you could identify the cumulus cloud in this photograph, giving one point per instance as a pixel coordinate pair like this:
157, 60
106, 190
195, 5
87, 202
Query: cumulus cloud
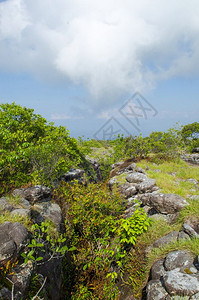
111, 47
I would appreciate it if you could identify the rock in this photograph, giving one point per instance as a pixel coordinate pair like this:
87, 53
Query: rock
146, 186
48, 210
157, 171
183, 235
34, 194
177, 283
5, 294
21, 212
170, 237
73, 174
178, 259
192, 180
158, 269
52, 269
195, 150
130, 211
190, 231
8, 248
117, 164
140, 170
96, 168
4, 205
155, 290
21, 279
128, 189
191, 158
194, 197
13, 237
165, 203
136, 177
194, 297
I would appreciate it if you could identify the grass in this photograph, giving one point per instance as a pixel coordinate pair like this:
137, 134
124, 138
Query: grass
173, 176
8, 217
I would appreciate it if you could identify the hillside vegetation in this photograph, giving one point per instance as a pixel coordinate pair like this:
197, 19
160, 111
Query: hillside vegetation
107, 250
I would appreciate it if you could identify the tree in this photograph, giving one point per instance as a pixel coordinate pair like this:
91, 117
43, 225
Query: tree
23, 136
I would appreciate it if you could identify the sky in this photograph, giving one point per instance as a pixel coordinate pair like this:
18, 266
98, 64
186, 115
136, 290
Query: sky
102, 67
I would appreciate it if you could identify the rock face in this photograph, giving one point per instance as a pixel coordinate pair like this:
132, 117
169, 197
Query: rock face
34, 194
34, 203
165, 203
13, 237
175, 275
191, 158
133, 183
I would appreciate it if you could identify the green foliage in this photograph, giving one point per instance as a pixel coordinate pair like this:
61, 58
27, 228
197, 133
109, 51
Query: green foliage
190, 134
129, 229
96, 228
31, 149
42, 242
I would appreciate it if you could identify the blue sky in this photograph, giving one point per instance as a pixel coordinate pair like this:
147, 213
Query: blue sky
79, 61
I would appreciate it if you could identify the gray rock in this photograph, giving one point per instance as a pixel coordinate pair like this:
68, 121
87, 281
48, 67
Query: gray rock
194, 297
165, 203
19, 234
146, 186
140, 170
155, 290
130, 191
177, 283
183, 236
157, 171
194, 197
48, 210
73, 174
21, 278
158, 269
170, 237
4, 205
178, 259
117, 164
190, 231
192, 180
5, 294
12, 238
136, 177
34, 194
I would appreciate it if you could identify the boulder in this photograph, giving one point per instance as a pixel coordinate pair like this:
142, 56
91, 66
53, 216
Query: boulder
158, 270
34, 194
136, 177
48, 210
178, 259
155, 290
165, 203
4, 205
182, 284
13, 237
146, 186
170, 237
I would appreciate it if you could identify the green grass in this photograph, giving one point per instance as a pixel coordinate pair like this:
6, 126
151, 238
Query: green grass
8, 217
175, 183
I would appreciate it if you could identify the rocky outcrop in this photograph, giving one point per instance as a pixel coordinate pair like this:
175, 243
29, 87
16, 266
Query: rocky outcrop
33, 203
175, 275
191, 158
133, 184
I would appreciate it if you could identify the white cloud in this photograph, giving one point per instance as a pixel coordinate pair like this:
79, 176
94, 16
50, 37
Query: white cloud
112, 47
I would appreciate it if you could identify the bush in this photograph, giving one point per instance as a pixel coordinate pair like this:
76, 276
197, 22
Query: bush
28, 143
